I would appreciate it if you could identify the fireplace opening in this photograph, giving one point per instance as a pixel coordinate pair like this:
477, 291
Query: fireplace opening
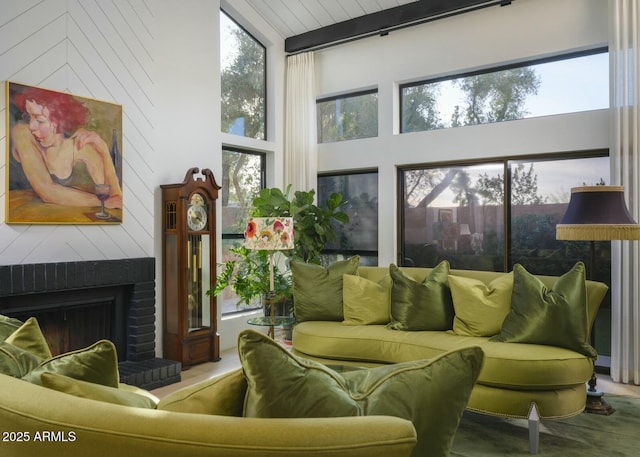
78, 303
76, 319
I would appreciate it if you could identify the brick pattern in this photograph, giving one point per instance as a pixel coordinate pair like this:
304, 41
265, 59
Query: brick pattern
49, 277
150, 374
141, 367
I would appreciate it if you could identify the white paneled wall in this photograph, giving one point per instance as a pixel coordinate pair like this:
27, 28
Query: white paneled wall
98, 49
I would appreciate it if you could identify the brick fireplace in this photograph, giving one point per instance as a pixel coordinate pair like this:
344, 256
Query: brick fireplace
77, 303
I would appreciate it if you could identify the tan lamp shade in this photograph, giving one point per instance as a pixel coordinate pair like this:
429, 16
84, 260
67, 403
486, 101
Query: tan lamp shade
597, 213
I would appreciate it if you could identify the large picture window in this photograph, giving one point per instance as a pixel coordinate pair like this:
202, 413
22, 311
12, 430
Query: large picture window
243, 78
470, 215
360, 235
539, 88
243, 175
348, 117
474, 217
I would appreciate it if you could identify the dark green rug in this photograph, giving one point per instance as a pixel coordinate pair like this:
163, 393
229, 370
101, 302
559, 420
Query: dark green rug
585, 435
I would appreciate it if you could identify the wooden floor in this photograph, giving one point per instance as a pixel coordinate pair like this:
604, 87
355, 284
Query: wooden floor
230, 361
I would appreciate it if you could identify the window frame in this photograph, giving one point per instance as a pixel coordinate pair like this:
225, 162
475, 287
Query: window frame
265, 126
240, 236
506, 161
351, 252
487, 70
341, 96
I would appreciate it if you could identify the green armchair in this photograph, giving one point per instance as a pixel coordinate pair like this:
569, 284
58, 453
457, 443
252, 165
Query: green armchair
35, 420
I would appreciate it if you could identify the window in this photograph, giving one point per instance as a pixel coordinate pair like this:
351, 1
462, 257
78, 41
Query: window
533, 221
564, 85
445, 212
242, 179
360, 235
348, 117
243, 74
470, 216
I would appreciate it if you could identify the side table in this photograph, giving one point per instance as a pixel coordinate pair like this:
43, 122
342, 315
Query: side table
272, 322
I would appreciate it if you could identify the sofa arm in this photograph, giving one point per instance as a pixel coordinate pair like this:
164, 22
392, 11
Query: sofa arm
56, 424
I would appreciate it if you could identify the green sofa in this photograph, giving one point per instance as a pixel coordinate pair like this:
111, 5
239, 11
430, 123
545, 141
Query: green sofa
35, 420
518, 380
276, 404
73, 404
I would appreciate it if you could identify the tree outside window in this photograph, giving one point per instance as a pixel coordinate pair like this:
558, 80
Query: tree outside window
518, 92
348, 117
242, 179
243, 78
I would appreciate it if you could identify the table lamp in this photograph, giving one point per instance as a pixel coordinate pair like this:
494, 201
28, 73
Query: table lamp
269, 234
597, 213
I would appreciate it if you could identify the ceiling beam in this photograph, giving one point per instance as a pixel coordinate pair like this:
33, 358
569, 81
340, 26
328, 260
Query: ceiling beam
383, 22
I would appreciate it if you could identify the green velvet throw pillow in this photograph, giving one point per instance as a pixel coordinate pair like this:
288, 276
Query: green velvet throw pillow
221, 396
97, 363
8, 325
480, 308
30, 338
317, 291
15, 361
366, 302
431, 393
422, 305
23, 349
556, 317
97, 392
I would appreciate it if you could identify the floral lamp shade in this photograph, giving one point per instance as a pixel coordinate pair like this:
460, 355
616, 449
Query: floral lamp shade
269, 233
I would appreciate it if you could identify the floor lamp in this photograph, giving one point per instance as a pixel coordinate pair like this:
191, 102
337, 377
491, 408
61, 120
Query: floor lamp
597, 213
269, 234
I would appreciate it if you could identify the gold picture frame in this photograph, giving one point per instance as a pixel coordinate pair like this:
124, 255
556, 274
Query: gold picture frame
62, 150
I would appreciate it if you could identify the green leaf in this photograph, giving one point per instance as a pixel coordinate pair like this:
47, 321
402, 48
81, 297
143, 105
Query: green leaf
334, 201
341, 216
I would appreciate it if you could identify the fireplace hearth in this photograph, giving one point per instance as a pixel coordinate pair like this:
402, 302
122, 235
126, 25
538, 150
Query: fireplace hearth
77, 303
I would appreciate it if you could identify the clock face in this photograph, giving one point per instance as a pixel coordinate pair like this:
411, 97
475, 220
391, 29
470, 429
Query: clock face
197, 214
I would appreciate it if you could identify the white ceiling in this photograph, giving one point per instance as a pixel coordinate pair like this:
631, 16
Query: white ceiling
293, 17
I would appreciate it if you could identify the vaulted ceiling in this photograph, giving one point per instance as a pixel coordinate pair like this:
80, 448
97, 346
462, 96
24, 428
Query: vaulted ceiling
307, 24
294, 17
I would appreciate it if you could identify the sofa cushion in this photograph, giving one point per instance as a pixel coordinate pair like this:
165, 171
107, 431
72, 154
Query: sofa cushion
97, 363
222, 396
532, 366
366, 302
92, 391
480, 308
424, 305
317, 291
555, 317
431, 393
513, 365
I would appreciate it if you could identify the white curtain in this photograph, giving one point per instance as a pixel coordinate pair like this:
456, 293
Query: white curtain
625, 159
300, 145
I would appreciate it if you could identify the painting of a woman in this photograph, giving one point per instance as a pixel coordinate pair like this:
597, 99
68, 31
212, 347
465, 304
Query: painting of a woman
61, 159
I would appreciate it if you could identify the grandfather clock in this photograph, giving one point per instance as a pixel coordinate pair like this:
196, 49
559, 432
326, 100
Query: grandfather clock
189, 269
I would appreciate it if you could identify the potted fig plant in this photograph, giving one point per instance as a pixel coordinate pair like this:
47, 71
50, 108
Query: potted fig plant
248, 273
311, 222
